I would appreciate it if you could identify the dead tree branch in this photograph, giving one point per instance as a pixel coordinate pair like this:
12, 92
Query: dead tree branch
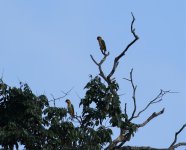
134, 87
101, 73
179, 144
140, 148
157, 99
150, 118
174, 145
125, 108
58, 98
116, 60
123, 138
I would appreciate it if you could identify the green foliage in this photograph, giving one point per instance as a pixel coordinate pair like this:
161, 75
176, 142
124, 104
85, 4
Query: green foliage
89, 138
29, 119
21, 116
100, 102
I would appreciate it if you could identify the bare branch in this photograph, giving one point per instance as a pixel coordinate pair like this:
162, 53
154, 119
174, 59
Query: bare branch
123, 138
116, 60
179, 144
173, 145
150, 118
101, 73
140, 148
147, 147
126, 79
65, 94
53, 100
125, 108
94, 60
134, 94
157, 99
175, 139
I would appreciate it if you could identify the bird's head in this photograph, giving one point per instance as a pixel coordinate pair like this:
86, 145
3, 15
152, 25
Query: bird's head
67, 101
99, 38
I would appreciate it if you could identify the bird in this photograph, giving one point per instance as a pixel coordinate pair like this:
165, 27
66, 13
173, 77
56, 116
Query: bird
70, 107
102, 45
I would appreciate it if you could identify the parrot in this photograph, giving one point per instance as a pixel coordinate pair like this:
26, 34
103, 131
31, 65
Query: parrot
102, 45
70, 107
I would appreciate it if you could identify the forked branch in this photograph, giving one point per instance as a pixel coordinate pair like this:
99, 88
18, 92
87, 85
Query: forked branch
157, 99
134, 87
58, 98
174, 145
116, 60
101, 73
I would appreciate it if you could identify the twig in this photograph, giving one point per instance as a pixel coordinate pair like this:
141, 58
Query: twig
126, 79
54, 100
157, 99
134, 95
125, 108
58, 98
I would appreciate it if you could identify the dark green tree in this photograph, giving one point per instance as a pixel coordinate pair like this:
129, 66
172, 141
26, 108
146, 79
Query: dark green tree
29, 120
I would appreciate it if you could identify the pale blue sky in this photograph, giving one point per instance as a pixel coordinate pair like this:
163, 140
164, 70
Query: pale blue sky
47, 45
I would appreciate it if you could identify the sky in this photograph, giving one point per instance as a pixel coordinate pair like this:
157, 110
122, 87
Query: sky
47, 44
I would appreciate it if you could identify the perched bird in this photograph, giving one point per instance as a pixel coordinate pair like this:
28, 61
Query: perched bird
70, 108
102, 44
